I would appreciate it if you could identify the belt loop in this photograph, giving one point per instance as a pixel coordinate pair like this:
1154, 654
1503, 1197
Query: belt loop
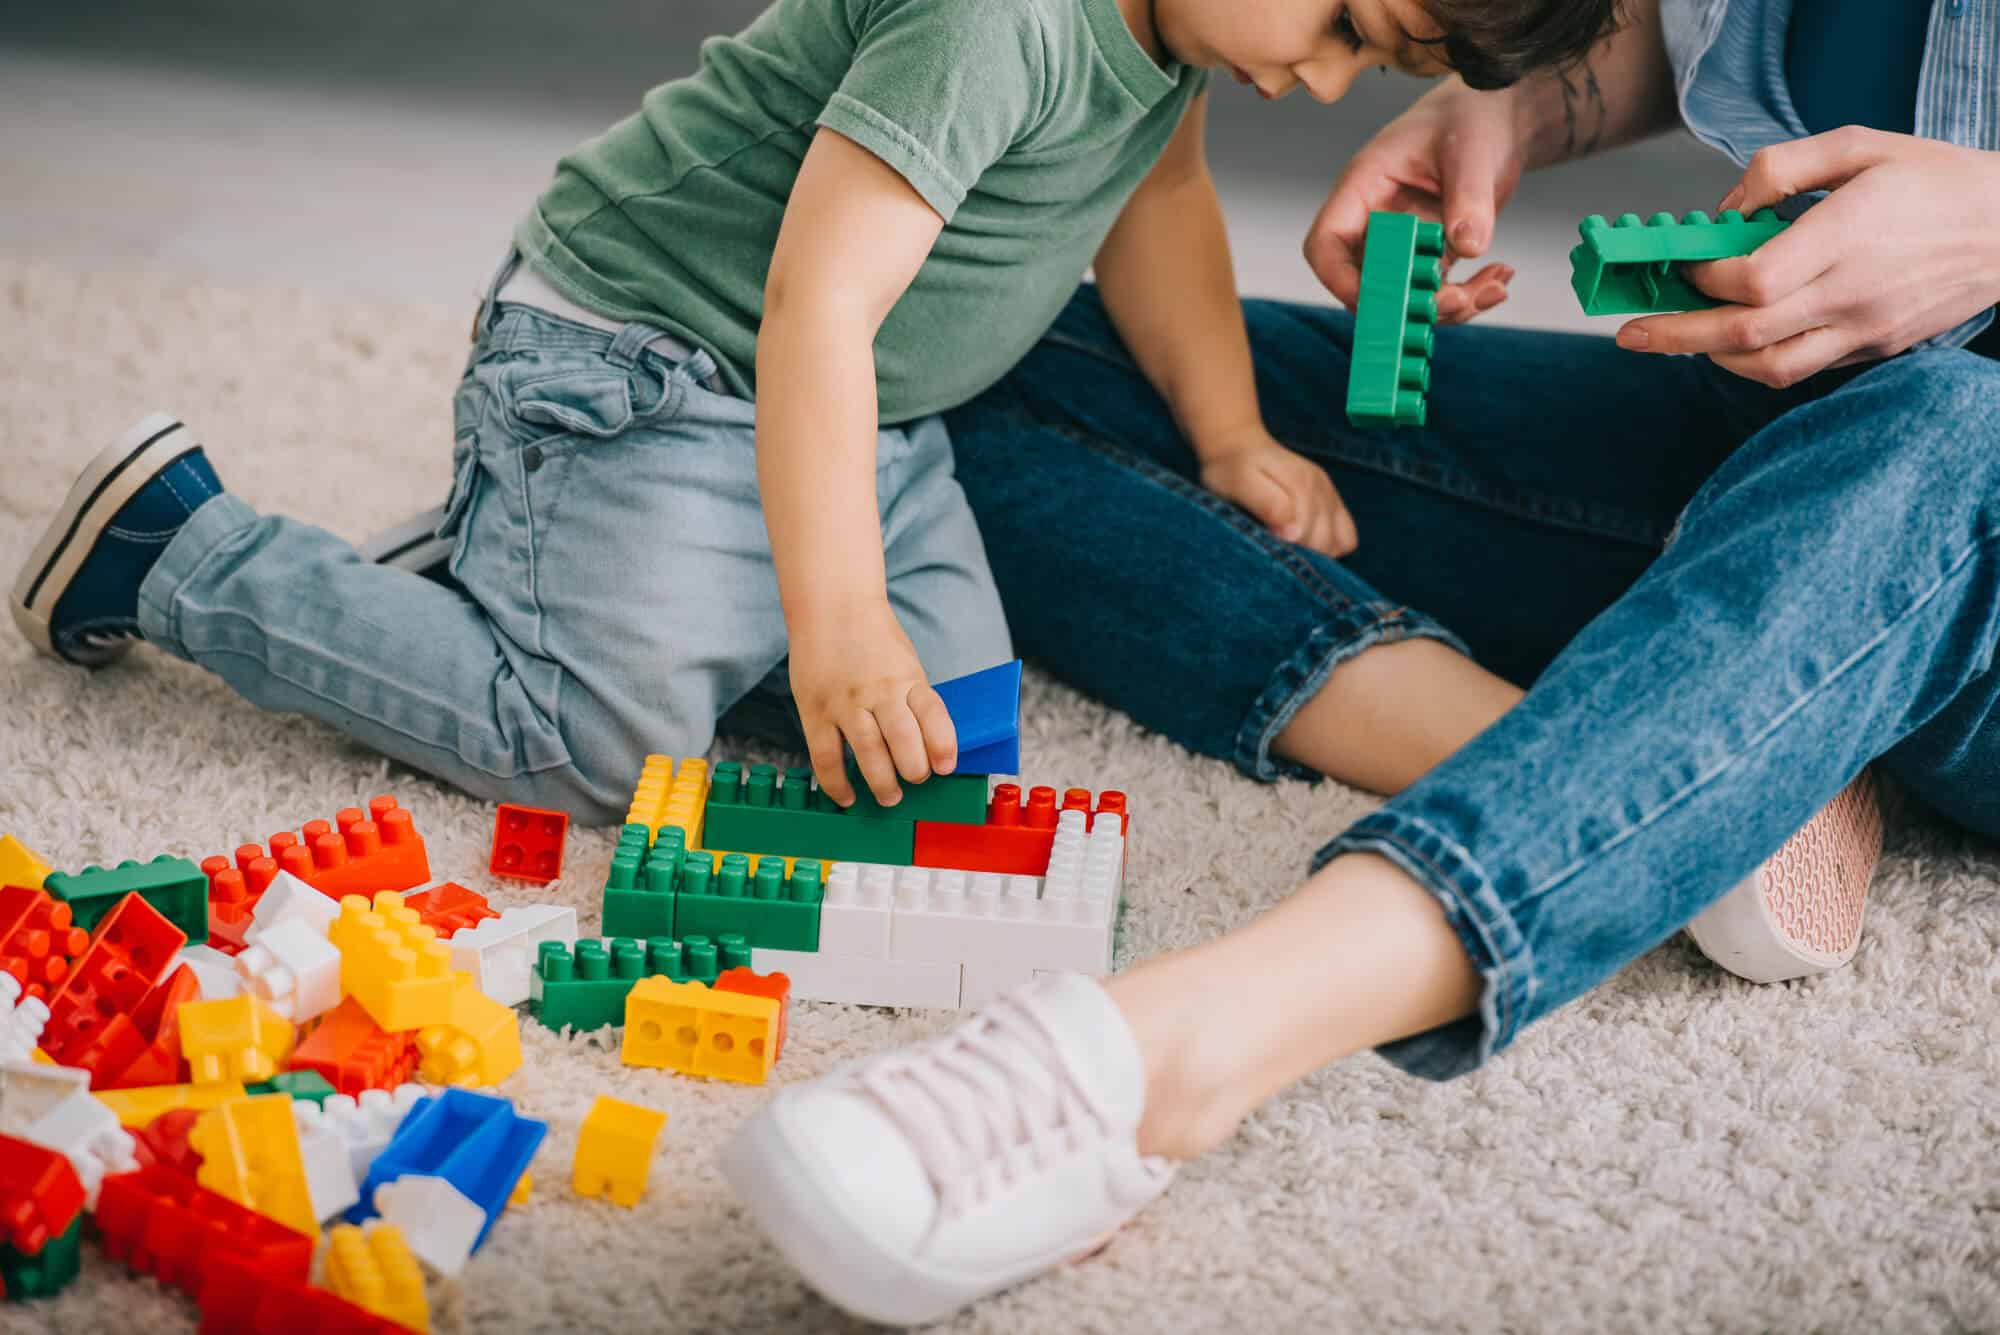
632, 340
499, 280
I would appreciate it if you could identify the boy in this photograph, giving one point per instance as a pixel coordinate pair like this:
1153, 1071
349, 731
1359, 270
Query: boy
857, 213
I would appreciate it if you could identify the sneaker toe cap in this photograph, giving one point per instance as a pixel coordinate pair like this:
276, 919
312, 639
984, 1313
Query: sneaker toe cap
861, 1161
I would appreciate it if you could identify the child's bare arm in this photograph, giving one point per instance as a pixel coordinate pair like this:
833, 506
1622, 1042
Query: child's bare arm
1170, 287
854, 236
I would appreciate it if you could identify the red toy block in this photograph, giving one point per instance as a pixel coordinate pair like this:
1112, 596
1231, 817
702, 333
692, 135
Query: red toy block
171, 1227
40, 1194
90, 1016
157, 1018
242, 1300
449, 907
1016, 839
39, 941
354, 1053
233, 891
528, 843
776, 986
164, 1141
376, 850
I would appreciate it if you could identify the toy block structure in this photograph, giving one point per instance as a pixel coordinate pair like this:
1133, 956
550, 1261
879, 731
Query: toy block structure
174, 886
639, 888
1633, 268
373, 1269
250, 1154
22, 1019
1016, 839
476, 1143
742, 978
391, 963
950, 797
39, 939
157, 1020
667, 795
1402, 267
293, 969
360, 853
585, 988
241, 1039
766, 908
171, 1227
141, 1106
362, 1126
761, 810
52, 1106
448, 907
45, 1271
286, 898
478, 1044
234, 890
499, 952
985, 709
353, 1053
90, 1022
528, 843
614, 1150
21, 865
40, 1195
698, 1030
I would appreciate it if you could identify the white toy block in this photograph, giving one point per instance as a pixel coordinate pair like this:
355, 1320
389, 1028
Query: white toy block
972, 917
294, 969
500, 952
988, 980
31, 1090
215, 972
854, 912
52, 1107
861, 980
364, 1125
329, 1173
439, 1222
21, 1021
288, 899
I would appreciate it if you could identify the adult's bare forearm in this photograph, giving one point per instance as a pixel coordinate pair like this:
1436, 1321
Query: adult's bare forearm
1623, 90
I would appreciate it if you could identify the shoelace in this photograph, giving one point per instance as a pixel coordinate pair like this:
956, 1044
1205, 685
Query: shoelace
105, 639
984, 1103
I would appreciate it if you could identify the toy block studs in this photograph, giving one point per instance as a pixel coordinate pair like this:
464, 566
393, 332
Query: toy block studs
690, 1028
39, 940
528, 843
353, 1053
374, 1270
614, 1150
391, 963
1634, 268
1402, 267
669, 796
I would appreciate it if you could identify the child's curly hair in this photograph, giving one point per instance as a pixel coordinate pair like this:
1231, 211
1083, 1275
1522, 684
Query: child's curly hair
1492, 44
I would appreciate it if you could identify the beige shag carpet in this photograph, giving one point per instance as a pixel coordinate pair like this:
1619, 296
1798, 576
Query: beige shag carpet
1678, 1152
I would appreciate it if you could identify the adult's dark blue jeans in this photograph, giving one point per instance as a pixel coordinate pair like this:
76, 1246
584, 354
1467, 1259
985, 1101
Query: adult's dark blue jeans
1725, 600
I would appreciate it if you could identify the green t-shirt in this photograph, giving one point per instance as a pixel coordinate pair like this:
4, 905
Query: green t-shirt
1025, 123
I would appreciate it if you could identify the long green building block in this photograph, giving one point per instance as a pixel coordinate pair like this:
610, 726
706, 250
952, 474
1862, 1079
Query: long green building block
1632, 268
767, 909
759, 811
639, 890
959, 799
1402, 265
174, 886
585, 988
45, 1273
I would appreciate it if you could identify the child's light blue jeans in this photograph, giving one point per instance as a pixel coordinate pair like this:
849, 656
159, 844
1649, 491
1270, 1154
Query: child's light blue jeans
618, 592
1830, 595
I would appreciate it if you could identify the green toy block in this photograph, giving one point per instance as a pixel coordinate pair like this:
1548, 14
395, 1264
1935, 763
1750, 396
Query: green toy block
757, 812
639, 892
174, 886
959, 799
47, 1271
696, 959
585, 988
766, 909
299, 1086
1632, 268
1402, 266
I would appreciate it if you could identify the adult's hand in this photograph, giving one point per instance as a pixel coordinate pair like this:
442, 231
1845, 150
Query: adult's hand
1455, 157
1903, 249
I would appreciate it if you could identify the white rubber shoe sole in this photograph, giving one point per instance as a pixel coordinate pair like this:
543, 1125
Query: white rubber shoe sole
112, 478
412, 545
1801, 912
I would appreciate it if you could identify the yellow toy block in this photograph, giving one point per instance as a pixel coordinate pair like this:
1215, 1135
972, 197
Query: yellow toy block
375, 1270
686, 1027
20, 865
522, 1190
250, 1153
235, 1039
480, 1044
614, 1150
42, 1057
136, 1108
392, 963
666, 796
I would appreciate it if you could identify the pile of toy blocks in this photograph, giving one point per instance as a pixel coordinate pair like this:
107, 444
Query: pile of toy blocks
960, 891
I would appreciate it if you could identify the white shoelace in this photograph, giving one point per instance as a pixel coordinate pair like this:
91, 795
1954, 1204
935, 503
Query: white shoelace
984, 1103
105, 639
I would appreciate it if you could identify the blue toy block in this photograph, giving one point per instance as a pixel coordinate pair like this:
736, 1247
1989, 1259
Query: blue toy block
985, 708
476, 1142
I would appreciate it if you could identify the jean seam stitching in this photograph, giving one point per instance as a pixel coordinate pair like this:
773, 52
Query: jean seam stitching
1763, 735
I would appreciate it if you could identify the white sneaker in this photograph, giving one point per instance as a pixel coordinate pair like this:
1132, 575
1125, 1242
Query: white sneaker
907, 1185
1800, 913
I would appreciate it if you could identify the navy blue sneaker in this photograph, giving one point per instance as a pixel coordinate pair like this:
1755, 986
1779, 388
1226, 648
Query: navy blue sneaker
78, 596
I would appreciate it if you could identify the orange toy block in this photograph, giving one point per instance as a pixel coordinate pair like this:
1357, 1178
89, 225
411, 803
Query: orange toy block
354, 1053
233, 892
238, 1038
776, 986
361, 853
690, 1028
449, 907
158, 1021
392, 964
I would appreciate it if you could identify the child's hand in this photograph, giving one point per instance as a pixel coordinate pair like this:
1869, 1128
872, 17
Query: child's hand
1903, 249
1291, 494
1455, 155
855, 675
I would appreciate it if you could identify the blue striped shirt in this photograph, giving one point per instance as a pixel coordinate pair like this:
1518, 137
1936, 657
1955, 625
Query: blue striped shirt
1729, 75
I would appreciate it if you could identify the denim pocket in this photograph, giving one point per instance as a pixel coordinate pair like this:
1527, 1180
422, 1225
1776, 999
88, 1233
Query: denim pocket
595, 402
